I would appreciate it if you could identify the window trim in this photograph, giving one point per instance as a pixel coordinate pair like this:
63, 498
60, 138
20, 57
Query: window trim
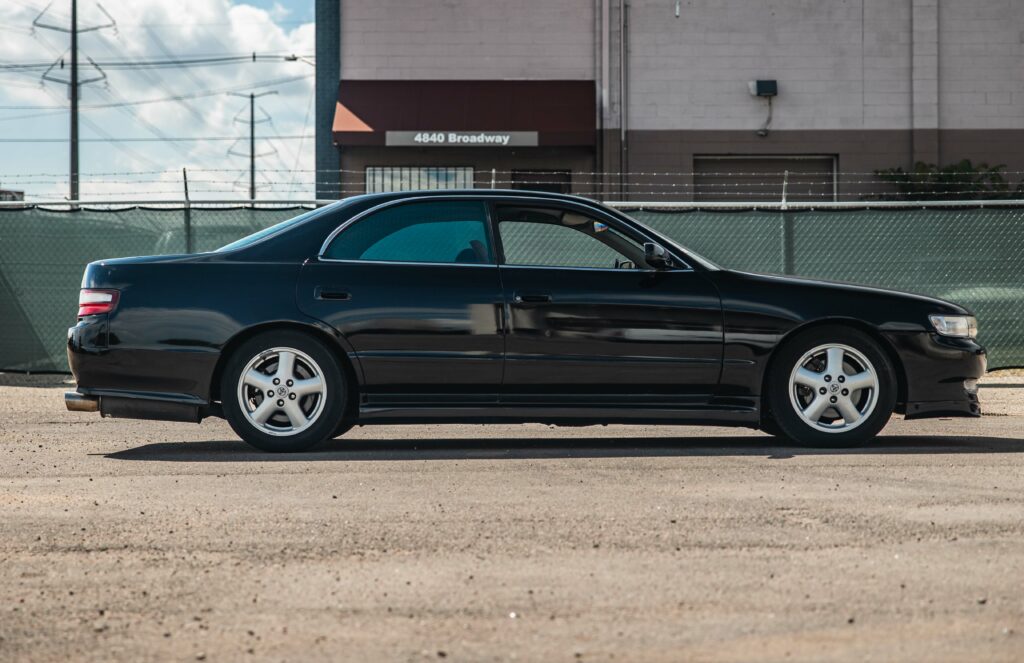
488, 230
499, 256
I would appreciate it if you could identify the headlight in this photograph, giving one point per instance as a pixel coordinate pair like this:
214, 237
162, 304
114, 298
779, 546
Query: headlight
959, 326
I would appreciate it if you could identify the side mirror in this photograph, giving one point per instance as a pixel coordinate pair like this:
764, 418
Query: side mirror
656, 256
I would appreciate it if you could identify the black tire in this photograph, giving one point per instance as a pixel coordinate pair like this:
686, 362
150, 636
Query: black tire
328, 408
769, 426
785, 419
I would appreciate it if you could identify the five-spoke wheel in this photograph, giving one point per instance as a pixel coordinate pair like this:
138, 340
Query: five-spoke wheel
830, 386
283, 391
833, 387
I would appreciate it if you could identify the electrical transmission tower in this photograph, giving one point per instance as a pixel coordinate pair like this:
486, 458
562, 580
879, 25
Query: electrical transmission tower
253, 121
73, 82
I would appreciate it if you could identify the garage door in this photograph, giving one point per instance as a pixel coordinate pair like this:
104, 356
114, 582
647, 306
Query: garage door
746, 179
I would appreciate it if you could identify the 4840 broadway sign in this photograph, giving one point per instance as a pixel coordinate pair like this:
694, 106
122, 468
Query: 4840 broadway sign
460, 138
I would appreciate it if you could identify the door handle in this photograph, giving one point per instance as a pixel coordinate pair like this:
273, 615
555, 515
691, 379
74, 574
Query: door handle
332, 294
531, 298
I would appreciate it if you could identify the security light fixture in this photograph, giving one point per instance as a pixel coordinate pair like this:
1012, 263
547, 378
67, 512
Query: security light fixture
766, 89
763, 88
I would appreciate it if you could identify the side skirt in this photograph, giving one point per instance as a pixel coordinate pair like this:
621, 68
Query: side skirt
569, 416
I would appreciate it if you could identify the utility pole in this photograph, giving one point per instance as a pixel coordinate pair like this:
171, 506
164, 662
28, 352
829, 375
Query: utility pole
73, 89
73, 82
252, 137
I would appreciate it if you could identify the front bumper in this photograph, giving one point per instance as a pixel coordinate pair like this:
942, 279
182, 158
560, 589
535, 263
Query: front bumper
942, 375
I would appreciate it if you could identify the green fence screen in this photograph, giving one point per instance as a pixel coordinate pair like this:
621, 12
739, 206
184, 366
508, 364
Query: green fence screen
971, 256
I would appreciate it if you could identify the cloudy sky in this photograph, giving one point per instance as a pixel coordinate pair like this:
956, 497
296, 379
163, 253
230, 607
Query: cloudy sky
179, 102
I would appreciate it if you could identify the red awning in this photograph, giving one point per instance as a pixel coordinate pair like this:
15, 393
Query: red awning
561, 112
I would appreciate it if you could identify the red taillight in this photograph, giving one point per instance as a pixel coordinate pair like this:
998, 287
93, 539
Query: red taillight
92, 302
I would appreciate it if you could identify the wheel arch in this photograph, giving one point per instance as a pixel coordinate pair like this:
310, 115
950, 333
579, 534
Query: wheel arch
860, 325
334, 343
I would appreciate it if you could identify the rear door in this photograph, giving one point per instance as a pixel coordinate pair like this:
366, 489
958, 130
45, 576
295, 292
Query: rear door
414, 289
591, 323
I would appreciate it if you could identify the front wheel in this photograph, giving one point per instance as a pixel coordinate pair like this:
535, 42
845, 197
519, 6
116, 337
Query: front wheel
283, 391
831, 387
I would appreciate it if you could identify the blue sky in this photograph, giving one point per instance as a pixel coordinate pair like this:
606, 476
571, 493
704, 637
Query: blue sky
177, 103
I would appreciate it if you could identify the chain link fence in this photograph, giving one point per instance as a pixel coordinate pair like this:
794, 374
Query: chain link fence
973, 256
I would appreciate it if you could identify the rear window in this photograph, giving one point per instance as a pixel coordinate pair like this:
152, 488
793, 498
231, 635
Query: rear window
267, 232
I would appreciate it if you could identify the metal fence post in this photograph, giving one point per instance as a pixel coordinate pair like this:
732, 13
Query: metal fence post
788, 259
187, 212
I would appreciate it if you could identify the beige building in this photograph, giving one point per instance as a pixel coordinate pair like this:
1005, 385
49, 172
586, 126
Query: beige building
547, 93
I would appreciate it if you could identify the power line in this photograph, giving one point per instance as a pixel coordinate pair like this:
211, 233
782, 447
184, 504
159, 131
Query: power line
173, 63
167, 139
158, 100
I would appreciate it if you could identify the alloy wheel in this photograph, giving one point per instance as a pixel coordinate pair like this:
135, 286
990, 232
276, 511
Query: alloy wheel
282, 391
833, 388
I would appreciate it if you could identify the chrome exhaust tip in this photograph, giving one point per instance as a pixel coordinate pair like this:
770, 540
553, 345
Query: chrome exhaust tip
77, 402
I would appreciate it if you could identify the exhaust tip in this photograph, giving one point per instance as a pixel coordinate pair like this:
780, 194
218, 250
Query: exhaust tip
77, 402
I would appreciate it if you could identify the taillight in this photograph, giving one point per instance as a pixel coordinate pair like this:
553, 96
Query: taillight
92, 302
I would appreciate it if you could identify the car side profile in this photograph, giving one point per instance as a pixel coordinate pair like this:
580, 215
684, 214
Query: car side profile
489, 306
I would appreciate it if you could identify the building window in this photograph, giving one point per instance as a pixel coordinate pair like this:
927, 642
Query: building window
549, 181
382, 179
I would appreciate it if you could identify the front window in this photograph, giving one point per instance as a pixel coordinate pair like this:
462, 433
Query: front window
430, 232
543, 237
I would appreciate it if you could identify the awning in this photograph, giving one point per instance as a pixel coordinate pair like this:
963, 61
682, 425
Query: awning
560, 112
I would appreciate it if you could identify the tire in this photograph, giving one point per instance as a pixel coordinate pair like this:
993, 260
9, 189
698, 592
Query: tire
830, 387
301, 414
769, 426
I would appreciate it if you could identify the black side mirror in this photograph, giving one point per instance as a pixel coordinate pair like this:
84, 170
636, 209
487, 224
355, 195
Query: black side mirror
656, 256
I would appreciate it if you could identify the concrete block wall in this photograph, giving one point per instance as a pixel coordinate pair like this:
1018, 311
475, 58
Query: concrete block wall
841, 64
981, 64
467, 39
877, 83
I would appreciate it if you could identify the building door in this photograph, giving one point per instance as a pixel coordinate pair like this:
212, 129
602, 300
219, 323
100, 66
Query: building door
549, 181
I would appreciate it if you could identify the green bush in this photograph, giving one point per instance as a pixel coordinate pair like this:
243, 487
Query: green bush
959, 181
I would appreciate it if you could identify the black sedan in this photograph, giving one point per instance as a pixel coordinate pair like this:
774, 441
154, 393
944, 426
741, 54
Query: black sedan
502, 307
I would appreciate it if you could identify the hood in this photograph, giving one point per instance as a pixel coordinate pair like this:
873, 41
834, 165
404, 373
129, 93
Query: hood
799, 282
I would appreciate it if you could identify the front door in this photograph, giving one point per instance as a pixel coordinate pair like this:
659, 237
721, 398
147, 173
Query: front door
590, 322
414, 289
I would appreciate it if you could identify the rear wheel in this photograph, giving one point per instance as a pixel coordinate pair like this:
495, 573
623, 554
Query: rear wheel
831, 387
283, 391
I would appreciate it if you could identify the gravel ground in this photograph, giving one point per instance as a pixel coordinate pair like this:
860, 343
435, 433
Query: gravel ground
136, 541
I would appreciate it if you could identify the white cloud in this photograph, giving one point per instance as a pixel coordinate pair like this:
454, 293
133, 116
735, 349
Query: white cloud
158, 29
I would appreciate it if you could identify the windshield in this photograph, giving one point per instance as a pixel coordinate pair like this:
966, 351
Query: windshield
699, 259
267, 232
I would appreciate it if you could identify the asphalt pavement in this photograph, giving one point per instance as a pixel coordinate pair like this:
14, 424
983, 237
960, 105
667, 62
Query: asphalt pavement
133, 540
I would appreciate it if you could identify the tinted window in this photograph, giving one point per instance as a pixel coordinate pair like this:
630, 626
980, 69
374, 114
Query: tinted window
266, 232
444, 232
553, 238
